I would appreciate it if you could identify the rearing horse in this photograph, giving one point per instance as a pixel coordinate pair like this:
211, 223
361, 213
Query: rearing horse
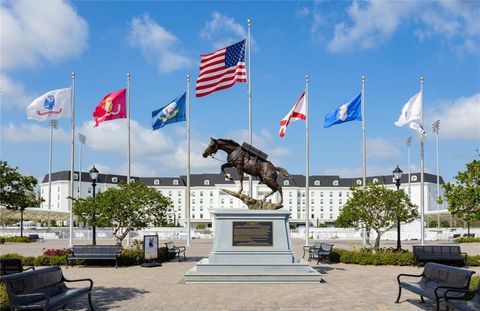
247, 163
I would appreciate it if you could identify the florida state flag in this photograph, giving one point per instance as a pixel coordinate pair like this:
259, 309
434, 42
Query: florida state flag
113, 106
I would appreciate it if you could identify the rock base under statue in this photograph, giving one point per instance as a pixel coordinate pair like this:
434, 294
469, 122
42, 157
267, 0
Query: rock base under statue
252, 246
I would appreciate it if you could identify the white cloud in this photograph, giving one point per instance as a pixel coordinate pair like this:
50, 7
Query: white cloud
158, 45
459, 119
381, 148
32, 133
371, 23
303, 11
374, 22
13, 93
33, 32
222, 30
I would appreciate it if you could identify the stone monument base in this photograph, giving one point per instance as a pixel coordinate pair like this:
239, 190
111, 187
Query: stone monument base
252, 246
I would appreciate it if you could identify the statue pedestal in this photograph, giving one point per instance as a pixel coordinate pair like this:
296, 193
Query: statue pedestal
252, 246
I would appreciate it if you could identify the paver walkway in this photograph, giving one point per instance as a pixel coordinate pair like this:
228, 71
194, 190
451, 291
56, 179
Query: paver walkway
346, 287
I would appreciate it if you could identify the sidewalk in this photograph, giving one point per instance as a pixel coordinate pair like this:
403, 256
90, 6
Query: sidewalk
346, 287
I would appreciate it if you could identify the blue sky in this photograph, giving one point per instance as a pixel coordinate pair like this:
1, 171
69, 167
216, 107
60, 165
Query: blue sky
392, 43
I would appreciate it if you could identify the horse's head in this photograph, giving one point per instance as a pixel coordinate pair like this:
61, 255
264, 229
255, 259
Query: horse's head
211, 149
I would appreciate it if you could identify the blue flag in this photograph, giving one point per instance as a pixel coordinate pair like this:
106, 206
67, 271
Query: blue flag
171, 113
346, 112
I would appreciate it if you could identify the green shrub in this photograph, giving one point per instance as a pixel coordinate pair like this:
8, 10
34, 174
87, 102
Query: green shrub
200, 226
473, 260
367, 257
4, 304
131, 257
467, 240
475, 282
14, 239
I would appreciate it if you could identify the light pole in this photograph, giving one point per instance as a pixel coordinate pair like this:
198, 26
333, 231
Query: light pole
397, 174
82, 139
435, 128
94, 175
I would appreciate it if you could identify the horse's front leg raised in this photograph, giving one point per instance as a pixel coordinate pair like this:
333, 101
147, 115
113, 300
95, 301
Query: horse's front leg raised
223, 167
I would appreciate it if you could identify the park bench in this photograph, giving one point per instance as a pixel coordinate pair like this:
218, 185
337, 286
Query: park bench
325, 251
11, 266
447, 254
174, 251
35, 238
307, 249
470, 303
435, 280
43, 289
95, 252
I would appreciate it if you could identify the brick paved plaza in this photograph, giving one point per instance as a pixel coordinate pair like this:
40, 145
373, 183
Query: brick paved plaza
346, 287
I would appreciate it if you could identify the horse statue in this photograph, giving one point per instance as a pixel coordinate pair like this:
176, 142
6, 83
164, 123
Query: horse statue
246, 162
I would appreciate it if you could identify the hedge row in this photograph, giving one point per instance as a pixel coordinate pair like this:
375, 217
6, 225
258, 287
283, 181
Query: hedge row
14, 239
467, 240
382, 257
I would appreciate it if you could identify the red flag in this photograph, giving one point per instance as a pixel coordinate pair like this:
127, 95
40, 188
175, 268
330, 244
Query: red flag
113, 106
298, 112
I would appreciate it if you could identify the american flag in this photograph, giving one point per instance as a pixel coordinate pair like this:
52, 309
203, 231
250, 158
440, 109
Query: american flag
298, 112
221, 69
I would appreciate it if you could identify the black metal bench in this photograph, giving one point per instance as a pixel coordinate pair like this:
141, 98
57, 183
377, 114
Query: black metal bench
43, 289
446, 254
325, 251
435, 280
470, 303
11, 266
95, 252
35, 238
307, 249
174, 251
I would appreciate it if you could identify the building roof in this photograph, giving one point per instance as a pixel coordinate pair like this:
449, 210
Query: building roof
197, 180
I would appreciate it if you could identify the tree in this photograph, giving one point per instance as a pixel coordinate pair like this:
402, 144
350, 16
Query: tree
463, 196
376, 207
17, 192
132, 206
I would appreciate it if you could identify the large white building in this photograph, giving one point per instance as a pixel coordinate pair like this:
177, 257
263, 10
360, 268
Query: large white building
328, 194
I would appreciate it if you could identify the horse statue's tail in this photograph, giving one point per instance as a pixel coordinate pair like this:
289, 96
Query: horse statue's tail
284, 173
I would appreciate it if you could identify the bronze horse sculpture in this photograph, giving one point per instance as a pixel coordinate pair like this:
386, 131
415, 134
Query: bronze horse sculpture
245, 162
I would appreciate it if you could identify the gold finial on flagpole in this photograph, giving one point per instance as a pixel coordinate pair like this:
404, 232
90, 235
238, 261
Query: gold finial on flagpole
249, 22
128, 76
188, 78
73, 74
306, 78
421, 79
363, 78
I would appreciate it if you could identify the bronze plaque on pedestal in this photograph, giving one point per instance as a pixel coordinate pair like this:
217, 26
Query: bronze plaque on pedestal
252, 233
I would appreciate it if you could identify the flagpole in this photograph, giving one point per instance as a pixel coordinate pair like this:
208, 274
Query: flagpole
250, 138
72, 162
128, 124
187, 199
307, 189
409, 143
364, 150
422, 194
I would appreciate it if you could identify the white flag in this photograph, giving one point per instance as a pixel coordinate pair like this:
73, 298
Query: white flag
412, 115
51, 105
298, 112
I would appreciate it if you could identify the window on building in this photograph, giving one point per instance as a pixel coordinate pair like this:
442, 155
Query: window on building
175, 182
75, 176
321, 194
201, 201
331, 194
156, 182
321, 209
206, 182
193, 201
193, 215
317, 183
321, 216
321, 201
201, 215
89, 190
193, 193
313, 216
211, 193
114, 179
340, 194
359, 182
179, 200
231, 201
340, 201
331, 201
290, 201
211, 201
303, 194
201, 193
179, 193
286, 183
335, 182
222, 200
132, 179
331, 216
375, 181
169, 193
331, 209
414, 178
290, 194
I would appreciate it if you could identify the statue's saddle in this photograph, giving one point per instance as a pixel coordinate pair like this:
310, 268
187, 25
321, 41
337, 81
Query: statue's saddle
254, 152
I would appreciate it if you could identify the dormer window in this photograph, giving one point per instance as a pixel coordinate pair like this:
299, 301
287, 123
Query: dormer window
317, 183
132, 179
75, 176
175, 182
114, 179
286, 183
206, 182
375, 181
335, 182
414, 178
156, 182
359, 182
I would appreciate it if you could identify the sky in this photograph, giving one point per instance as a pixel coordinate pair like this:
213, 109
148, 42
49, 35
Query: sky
160, 42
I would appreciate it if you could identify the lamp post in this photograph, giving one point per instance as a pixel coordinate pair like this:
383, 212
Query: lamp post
397, 174
94, 175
